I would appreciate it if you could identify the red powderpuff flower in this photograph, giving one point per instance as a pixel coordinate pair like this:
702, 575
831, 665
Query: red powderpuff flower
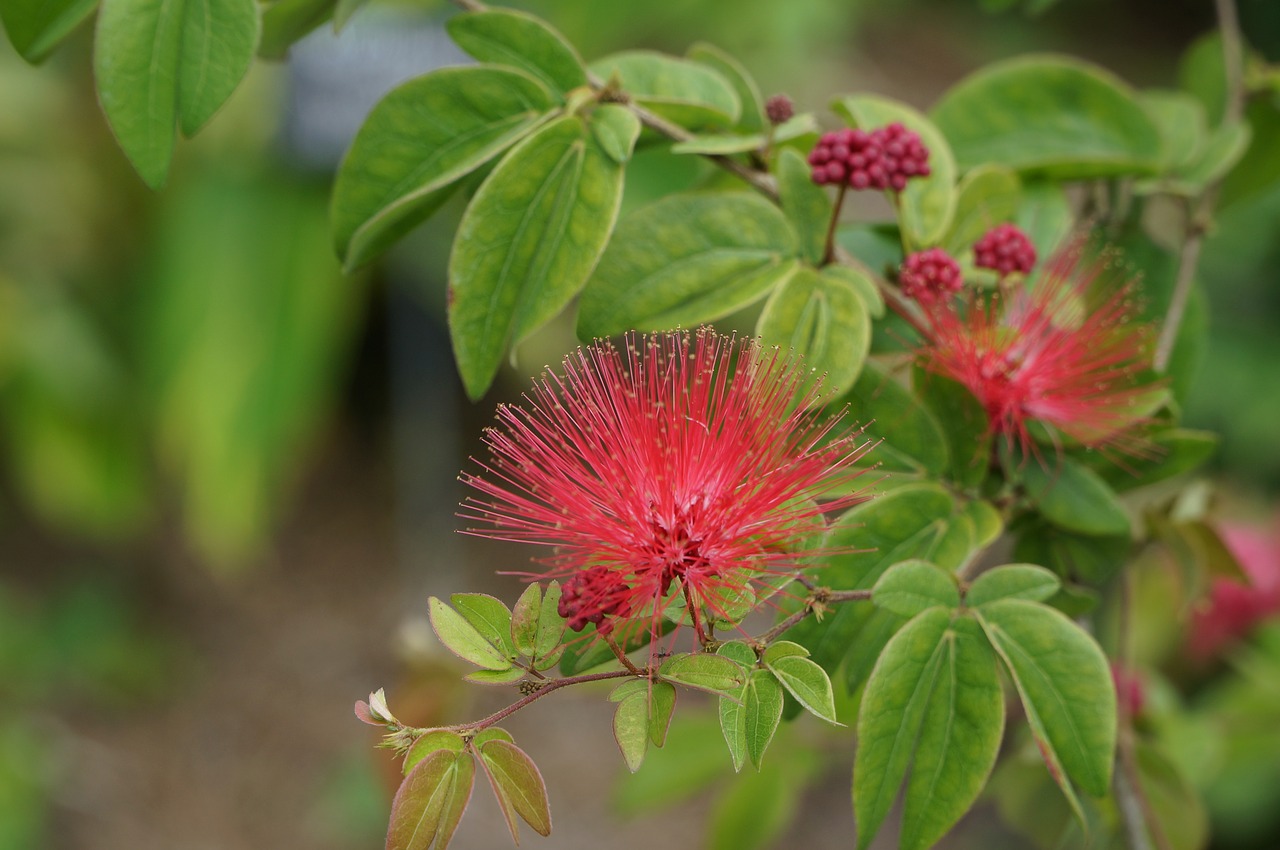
1057, 353
1233, 609
685, 461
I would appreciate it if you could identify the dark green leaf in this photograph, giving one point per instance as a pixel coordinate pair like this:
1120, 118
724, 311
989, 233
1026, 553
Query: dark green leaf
988, 195
685, 260
1048, 115
519, 40
823, 319
807, 205
1074, 497
959, 738
430, 802
1172, 453
1012, 581
715, 673
968, 434
1065, 685
752, 118
1203, 73
911, 439
417, 141
893, 709
616, 129
807, 682
1087, 558
35, 27
527, 242
462, 639
926, 206
518, 785
688, 93
909, 587
287, 21
587, 650
524, 620
490, 617
159, 67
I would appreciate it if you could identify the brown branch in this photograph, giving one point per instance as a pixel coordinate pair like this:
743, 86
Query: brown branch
819, 598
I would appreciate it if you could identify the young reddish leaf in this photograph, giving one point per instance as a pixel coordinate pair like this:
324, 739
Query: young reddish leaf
430, 802
631, 729
662, 704
518, 786
807, 682
490, 616
429, 743
714, 673
524, 620
909, 587
1012, 581
462, 639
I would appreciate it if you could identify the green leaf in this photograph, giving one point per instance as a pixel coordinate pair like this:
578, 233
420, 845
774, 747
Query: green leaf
733, 710
909, 587
685, 260
420, 139
524, 620
1174, 452
1183, 128
462, 638
492, 733
520, 40
550, 623
823, 319
343, 11
807, 682
616, 129
988, 195
1012, 581
807, 205
1225, 147
1088, 558
959, 739
490, 617
518, 785
1202, 72
285, 22
161, 64
631, 728
927, 204
755, 812
892, 712
715, 673
911, 439
871, 297
429, 743
1074, 497
496, 677
761, 713
36, 27
527, 242
752, 118
1065, 685
724, 144
1175, 801
662, 704
1045, 215
587, 650
784, 649
430, 802
1048, 115
688, 93
988, 525
968, 434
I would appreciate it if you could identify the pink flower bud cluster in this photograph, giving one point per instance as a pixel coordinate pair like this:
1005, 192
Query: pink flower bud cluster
1005, 249
930, 276
885, 158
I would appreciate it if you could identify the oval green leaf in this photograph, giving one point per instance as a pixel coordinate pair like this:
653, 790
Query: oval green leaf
1013, 581
550, 624
688, 93
631, 729
761, 713
685, 260
752, 118
911, 438
520, 40
527, 242
807, 205
462, 639
417, 141
807, 682
36, 27
490, 617
909, 587
988, 195
1049, 115
524, 620
927, 204
715, 673
1074, 497
616, 129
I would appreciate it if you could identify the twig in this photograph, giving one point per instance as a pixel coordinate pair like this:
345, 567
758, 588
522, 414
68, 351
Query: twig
542, 691
817, 599
622, 656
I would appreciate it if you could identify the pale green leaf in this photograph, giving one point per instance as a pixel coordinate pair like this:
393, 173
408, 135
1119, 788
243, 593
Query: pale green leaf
715, 673
524, 620
807, 205
1012, 581
490, 617
752, 118
430, 802
616, 129
909, 587
462, 639
520, 40
988, 195
688, 93
631, 729
807, 682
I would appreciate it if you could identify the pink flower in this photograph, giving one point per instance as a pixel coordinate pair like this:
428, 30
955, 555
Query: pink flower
1065, 352
1234, 608
687, 461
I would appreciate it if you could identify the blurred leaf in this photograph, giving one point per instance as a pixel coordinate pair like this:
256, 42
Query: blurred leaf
522, 41
988, 195
285, 22
806, 204
823, 319
527, 243
752, 118
871, 297
911, 438
1175, 802
1012, 581
926, 206
158, 67
518, 785
714, 673
988, 525
1048, 115
1202, 72
588, 650
1174, 452
462, 639
1045, 215
1259, 170
1090, 558
419, 139
1074, 497
489, 616
343, 11
754, 813
1183, 128
36, 27
1065, 685
909, 587
687, 93
430, 802
685, 260
723, 144
968, 434
616, 129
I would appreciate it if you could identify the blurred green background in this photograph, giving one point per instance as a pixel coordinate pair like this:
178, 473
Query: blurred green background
226, 469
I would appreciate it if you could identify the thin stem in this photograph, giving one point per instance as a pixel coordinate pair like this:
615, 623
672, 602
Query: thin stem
829, 253
622, 656
817, 599
1232, 59
893, 296
529, 699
